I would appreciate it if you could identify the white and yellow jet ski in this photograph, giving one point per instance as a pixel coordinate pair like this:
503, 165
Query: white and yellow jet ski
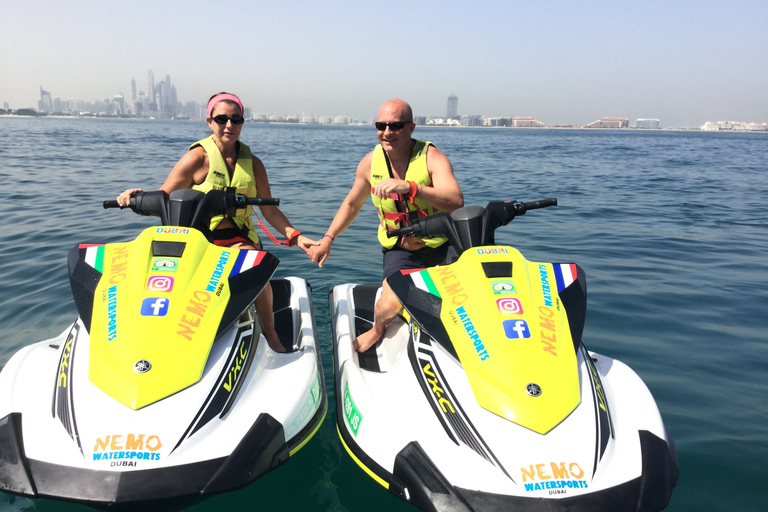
164, 387
482, 396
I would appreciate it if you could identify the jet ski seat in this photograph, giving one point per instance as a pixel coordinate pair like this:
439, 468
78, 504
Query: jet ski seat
285, 318
384, 355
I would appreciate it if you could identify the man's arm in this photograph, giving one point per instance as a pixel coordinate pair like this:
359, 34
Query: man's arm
445, 193
347, 212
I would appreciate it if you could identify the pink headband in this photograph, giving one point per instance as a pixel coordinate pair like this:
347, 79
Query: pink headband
221, 97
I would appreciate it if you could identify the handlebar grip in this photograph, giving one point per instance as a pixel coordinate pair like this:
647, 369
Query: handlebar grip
402, 231
272, 201
543, 203
111, 204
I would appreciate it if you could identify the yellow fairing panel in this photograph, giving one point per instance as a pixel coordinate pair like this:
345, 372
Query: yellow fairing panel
158, 311
511, 335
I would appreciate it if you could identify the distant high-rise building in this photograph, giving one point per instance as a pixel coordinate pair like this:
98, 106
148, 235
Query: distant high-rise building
453, 107
118, 103
527, 122
45, 104
648, 124
167, 105
151, 88
610, 122
160, 97
133, 90
174, 101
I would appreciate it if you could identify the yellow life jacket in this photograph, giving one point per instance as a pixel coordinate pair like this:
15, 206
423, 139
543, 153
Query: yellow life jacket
242, 180
389, 216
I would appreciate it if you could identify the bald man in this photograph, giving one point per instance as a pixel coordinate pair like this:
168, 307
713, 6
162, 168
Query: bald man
406, 179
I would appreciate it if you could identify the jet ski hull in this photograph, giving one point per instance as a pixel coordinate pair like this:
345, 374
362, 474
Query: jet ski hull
250, 411
407, 414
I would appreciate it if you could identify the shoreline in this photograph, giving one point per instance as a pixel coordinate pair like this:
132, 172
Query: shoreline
554, 127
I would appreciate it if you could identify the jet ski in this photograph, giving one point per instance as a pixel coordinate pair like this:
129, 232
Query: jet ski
164, 388
482, 396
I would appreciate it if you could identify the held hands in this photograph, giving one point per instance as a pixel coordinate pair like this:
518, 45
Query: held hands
317, 251
305, 243
320, 251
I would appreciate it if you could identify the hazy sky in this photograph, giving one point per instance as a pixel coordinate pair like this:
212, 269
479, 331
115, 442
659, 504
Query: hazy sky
681, 61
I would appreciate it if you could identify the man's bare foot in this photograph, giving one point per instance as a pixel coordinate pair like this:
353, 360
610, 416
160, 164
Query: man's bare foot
366, 340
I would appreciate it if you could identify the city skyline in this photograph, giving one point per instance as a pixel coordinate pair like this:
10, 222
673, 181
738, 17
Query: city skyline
684, 63
166, 105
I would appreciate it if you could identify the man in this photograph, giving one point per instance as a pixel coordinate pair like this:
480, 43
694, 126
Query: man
406, 179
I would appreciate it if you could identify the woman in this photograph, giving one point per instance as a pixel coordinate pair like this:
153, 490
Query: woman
223, 161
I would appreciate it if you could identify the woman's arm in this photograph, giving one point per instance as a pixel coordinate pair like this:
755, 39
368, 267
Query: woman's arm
272, 213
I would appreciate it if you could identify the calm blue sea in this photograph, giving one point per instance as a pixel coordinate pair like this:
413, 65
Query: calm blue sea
670, 227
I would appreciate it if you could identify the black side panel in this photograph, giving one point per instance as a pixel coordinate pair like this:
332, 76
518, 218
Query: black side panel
575, 302
428, 488
62, 393
262, 449
244, 287
660, 473
283, 314
648, 493
14, 471
620, 498
104, 488
603, 412
365, 300
83, 279
423, 307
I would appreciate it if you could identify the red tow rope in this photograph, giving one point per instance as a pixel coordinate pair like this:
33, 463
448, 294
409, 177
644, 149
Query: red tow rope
290, 242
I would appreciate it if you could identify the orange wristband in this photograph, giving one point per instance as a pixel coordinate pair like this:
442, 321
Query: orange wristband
414, 189
294, 236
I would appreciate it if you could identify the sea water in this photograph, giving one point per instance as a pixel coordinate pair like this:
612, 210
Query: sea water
671, 228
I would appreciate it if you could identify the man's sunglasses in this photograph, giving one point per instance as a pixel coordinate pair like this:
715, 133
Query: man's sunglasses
222, 119
397, 125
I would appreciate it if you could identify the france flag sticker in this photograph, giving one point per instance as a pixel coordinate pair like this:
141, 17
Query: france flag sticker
246, 260
565, 274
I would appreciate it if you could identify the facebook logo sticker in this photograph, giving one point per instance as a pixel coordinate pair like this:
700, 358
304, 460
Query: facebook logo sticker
154, 306
516, 329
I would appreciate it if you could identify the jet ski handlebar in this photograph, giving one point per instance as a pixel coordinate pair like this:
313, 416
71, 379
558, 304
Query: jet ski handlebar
542, 203
190, 208
240, 200
470, 226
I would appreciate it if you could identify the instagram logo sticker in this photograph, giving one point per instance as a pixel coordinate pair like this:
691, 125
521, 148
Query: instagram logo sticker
510, 306
160, 283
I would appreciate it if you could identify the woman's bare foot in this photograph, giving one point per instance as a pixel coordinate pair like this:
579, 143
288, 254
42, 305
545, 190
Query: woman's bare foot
274, 342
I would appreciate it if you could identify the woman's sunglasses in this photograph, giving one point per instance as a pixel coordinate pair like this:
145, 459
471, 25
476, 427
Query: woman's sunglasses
222, 119
397, 125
